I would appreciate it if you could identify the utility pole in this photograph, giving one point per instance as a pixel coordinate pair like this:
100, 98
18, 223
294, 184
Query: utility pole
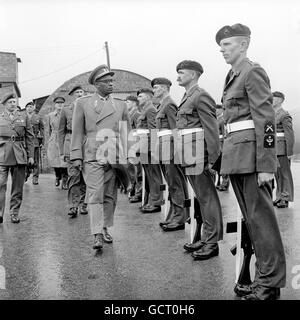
107, 54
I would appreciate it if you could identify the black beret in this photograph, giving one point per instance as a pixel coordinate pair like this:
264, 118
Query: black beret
29, 104
145, 90
132, 98
161, 81
59, 99
78, 87
278, 94
190, 65
99, 72
7, 97
232, 31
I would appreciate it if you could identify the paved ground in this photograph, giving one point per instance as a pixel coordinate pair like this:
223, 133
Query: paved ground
49, 256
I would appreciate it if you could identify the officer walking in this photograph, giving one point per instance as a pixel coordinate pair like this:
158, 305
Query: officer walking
285, 145
96, 117
249, 157
76, 185
197, 115
146, 123
166, 122
16, 151
37, 125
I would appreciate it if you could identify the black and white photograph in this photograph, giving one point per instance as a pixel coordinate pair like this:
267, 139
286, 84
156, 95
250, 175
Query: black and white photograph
149, 151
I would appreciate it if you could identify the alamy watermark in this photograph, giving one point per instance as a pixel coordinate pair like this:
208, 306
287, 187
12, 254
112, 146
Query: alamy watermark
296, 278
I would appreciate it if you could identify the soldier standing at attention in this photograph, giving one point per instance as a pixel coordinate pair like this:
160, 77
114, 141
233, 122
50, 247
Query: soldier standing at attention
249, 157
285, 145
37, 125
96, 116
196, 114
16, 151
166, 122
76, 185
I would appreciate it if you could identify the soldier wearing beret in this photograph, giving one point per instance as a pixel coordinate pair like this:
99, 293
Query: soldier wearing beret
196, 119
16, 151
249, 157
37, 125
76, 185
166, 123
97, 127
134, 170
53, 154
285, 144
145, 126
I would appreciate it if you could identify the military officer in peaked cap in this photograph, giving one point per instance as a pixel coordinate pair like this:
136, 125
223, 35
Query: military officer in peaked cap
16, 151
196, 118
95, 117
166, 123
76, 184
37, 125
285, 144
249, 157
145, 129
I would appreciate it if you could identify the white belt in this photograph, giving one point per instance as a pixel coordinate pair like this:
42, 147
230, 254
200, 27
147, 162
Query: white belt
280, 134
220, 136
240, 125
182, 132
141, 131
164, 133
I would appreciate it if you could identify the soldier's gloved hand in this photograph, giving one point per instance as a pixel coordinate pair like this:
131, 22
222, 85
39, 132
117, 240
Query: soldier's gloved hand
78, 164
264, 177
31, 161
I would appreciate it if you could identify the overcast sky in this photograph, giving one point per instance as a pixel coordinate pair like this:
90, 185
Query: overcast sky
57, 40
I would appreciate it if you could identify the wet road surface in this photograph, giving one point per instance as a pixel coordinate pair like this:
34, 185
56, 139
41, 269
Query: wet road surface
49, 256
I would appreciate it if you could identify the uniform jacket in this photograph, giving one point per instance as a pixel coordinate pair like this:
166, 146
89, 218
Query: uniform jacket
37, 125
134, 115
166, 119
93, 118
284, 123
198, 110
65, 130
53, 153
246, 96
221, 129
15, 152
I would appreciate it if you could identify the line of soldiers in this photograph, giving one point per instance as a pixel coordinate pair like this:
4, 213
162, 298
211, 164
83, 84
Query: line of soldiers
93, 133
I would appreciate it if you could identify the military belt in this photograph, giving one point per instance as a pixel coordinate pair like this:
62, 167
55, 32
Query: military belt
12, 138
183, 132
166, 132
221, 136
240, 125
141, 132
280, 134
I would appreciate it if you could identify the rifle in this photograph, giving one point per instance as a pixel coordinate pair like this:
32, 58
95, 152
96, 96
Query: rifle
244, 277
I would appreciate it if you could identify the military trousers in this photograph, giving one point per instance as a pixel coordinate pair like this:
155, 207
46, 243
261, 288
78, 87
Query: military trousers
154, 178
76, 186
258, 211
178, 193
284, 180
205, 191
135, 175
17, 182
36, 169
102, 188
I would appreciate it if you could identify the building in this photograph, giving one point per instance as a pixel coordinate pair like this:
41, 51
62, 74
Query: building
9, 74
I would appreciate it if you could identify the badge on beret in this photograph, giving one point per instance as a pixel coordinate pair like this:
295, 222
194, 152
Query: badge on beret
269, 141
269, 127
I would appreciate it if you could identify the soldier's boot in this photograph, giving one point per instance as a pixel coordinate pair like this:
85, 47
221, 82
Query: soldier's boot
83, 208
64, 184
14, 217
98, 241
73, 212
57, 182
35, 180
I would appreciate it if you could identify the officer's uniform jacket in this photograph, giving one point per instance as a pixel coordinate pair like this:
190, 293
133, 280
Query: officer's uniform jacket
65, 130
198, 110
284, 124
166, 119
247, 96
95, 117
16, 139
37, 125
221, 129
